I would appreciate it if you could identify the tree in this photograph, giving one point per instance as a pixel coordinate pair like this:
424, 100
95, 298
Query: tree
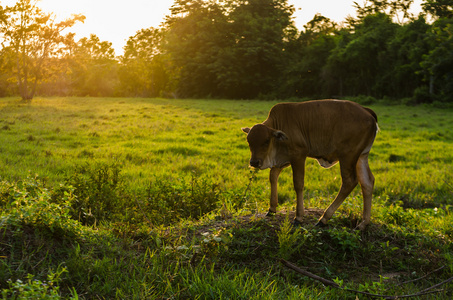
31, 37
142, 68
261, 31
439, 8
396, 9
93, 67
438, 63
229, 48
308, 53
195, 45
359, 61
406, 50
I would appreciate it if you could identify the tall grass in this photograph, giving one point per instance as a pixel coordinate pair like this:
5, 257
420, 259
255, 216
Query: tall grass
153, 198
159, 137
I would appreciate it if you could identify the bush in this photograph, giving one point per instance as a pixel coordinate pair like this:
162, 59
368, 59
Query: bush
99, 195
364, 100
169, 200
99, 192
36, 289
422, 95
28, 202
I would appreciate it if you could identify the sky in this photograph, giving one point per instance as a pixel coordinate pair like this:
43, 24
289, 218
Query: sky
116, 20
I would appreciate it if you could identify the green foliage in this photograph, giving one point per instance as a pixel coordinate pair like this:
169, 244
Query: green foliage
29, 203
439, 9
36, 289
97, 192
422, 95
229, 284
230, 49
92, 69
359, 62
308, 54
169, 200
142, 70
32, 39
439, 61
177, 213
288, 239
364, 100
347, 240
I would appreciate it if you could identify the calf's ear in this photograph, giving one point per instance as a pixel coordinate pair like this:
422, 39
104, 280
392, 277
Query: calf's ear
246, 129
280, 135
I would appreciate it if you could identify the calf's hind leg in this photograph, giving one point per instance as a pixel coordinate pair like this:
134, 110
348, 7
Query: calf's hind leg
349, 182
366, 180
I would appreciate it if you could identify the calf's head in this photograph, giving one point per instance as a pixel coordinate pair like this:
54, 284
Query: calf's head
263, 142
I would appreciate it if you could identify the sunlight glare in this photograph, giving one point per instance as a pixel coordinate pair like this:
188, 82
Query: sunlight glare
116, 21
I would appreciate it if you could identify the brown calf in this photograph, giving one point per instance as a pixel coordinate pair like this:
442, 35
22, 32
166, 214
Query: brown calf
330, 131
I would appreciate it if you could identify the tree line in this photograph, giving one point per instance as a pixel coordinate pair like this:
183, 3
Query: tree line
239, 49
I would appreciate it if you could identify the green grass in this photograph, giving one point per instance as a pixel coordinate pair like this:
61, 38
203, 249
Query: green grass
153, 198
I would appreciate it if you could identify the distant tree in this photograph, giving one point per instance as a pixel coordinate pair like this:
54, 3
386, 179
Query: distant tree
261, 31
438, 63
406, 51
31, 38
318, 26
229, 48
396, 9
439, 8
308, 54
93, 67
142, 68
359, 61
196, 47
6, 61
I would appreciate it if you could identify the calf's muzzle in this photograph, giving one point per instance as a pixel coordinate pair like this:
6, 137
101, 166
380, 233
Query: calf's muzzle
255, 163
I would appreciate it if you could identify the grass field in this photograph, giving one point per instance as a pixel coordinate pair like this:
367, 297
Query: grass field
153, 198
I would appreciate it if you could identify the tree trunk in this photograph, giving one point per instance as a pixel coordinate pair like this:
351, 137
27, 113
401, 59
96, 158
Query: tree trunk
431, 85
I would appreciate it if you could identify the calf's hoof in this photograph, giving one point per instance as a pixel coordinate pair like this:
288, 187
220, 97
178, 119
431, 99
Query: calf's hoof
270, 213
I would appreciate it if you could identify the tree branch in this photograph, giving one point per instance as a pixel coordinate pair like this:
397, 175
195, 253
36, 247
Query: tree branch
417, 279
335, 285
308, 274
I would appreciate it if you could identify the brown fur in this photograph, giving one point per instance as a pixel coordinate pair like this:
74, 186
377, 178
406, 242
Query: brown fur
330, 131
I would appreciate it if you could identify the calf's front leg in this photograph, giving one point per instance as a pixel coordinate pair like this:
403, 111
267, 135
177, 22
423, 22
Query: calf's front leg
298, 180
273, 178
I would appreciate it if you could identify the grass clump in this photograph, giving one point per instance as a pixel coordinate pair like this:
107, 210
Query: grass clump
98, 192
29, 203
288, 239
170, 200
34, 230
